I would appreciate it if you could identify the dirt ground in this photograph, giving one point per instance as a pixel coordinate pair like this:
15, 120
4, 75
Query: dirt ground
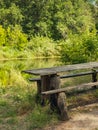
82, 118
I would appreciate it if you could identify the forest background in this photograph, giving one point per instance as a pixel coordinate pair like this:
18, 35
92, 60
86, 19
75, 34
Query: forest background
49, 28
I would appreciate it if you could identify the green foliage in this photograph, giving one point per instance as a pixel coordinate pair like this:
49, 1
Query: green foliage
97, 2
34, 29
40, 117
10, 16
55, 19
2, 35
96, 93
79, 49
72, 52
15, 38
42, 46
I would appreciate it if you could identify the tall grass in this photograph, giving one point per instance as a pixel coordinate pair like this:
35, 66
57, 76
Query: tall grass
18, 97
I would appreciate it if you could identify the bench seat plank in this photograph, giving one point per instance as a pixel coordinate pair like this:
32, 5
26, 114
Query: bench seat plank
66, 76
34, 79
81, 87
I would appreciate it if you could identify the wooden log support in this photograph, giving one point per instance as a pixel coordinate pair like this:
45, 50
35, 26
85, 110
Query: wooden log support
45, 83
94, 77
38, 82
70, 89
39, 87
54, 85
58, 100
62, 105
38, 94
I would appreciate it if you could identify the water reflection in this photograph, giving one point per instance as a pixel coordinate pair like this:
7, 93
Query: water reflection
29, 64
10, 71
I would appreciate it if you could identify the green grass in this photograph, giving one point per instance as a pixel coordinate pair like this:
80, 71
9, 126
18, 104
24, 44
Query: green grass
41, 117
96, 93
18, 109
17, 105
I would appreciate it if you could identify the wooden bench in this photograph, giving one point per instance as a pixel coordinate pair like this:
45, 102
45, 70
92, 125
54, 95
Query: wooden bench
77, 88
67, 76
58, 96
93, 73
49, 86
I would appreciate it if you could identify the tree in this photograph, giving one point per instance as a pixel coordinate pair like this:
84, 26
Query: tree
10, 16
52, 18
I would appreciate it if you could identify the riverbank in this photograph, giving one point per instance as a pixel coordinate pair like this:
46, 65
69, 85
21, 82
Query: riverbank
33, 58
11, 53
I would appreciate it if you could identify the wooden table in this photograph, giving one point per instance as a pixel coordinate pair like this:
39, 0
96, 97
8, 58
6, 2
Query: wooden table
50, 78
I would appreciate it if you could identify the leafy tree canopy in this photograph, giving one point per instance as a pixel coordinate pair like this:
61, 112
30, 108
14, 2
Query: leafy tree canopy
56, 19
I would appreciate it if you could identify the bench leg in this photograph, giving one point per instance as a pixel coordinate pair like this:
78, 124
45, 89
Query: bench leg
38, 95
49, 82
54, 84
62, 106
45, 83
53, 102
39, 87
58, 101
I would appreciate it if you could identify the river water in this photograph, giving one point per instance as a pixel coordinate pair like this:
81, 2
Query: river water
10, 71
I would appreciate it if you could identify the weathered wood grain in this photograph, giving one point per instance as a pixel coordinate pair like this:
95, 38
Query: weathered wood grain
54, 70
69, 76
80, 87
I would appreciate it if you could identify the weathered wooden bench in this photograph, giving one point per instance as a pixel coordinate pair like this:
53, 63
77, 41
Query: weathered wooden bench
93, 73
67, 76
58, 97
48, 84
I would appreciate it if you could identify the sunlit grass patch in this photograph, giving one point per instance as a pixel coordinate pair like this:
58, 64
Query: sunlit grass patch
6, 110
19, 104
16, 100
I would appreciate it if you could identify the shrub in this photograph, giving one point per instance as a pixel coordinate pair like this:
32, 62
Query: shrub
42, 46
15, 37
79, 49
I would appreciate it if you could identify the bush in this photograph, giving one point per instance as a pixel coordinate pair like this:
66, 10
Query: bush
79, 49
42, 46
16, 38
